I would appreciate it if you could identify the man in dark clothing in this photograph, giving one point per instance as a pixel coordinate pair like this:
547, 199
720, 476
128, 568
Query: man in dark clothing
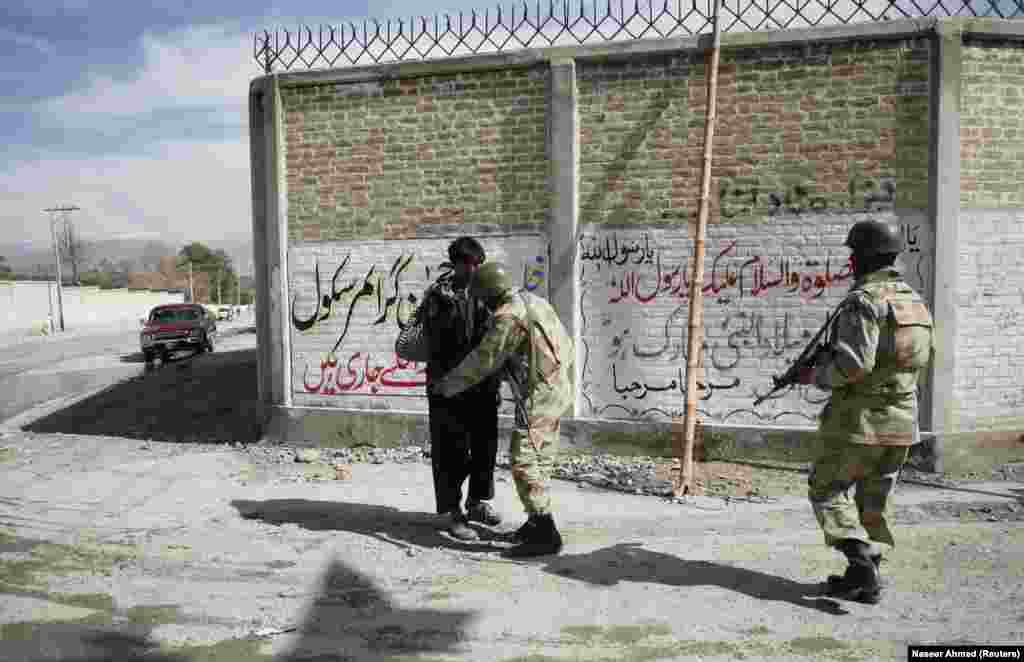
463, 428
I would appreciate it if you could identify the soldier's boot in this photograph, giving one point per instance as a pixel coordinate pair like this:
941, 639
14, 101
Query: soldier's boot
876, 559
860, 582
523, 533
540, 539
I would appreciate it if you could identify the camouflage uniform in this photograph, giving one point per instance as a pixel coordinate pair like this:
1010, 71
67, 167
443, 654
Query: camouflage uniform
880, 343
528, 344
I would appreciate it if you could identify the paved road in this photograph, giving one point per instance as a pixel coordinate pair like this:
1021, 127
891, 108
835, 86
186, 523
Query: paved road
37, 370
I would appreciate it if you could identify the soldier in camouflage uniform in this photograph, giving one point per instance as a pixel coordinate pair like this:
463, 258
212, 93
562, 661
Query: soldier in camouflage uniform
529, 347
878, 346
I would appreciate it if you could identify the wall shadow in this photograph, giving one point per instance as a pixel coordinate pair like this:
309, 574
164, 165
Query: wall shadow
76, 642
349, 619
630, 562
209, 398
386, 523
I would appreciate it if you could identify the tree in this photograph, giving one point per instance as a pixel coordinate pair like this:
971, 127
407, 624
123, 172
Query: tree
5, 269
102, 279
215, 264
72, 249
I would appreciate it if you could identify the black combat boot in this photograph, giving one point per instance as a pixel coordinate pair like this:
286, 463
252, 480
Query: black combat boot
860, 582
523, 533
539, 539
876, 559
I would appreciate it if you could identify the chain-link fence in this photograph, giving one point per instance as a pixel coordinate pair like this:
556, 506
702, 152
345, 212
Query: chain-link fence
571, 23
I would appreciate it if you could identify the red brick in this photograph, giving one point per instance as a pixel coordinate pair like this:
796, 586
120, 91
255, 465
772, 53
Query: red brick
311, 232
488, 136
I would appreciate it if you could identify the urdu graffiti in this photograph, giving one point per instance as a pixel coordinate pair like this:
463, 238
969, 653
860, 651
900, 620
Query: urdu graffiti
753, 276
346, 313
764, 298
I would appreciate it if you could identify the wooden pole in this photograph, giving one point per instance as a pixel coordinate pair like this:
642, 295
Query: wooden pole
684, 479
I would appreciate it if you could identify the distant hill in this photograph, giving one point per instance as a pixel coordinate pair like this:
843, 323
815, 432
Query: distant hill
120, 254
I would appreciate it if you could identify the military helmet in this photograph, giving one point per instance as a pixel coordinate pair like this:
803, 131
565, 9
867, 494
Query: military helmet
870, 238
492, 279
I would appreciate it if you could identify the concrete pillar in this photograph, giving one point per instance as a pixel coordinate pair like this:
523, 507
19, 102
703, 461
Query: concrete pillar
270, 237
563, 221
941, 410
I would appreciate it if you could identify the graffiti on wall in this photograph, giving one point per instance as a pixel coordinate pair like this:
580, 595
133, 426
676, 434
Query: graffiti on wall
753, 277
349, 301
862, 194
764, 297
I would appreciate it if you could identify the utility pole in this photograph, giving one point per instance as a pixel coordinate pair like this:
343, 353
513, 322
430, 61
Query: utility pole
64, 211
218, 287
49, 296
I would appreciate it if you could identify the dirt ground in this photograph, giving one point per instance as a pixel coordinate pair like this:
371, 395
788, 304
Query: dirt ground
137, 525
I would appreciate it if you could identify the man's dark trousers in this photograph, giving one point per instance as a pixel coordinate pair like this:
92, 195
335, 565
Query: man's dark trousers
463, 444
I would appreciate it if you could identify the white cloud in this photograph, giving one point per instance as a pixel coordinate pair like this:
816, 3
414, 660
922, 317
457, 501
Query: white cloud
176, 186
185, 190
205, 66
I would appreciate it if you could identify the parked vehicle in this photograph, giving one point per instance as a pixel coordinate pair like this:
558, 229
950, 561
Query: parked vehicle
226, 313
177, 326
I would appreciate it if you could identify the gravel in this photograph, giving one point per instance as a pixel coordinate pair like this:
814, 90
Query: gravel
634, 475
627, 474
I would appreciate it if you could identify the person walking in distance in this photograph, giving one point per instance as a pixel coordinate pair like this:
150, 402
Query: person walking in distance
880, 342
528, 346
464, 426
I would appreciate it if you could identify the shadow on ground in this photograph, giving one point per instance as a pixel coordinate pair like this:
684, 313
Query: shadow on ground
386, 523
192, 398
630, 562
43, 642
349, 619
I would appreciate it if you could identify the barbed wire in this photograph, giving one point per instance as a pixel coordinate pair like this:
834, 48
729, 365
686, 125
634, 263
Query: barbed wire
572, 23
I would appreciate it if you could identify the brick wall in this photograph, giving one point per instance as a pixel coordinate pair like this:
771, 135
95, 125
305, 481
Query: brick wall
991, 125
990, 292
811, 138
839, 127
393, 158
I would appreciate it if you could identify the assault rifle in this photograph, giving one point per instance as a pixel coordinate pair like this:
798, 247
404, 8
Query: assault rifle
808, 358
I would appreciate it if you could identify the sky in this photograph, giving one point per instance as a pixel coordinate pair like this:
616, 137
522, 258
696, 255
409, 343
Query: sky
136, 112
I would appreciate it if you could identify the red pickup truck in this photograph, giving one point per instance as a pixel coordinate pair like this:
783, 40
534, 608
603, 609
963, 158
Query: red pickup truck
177, 326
